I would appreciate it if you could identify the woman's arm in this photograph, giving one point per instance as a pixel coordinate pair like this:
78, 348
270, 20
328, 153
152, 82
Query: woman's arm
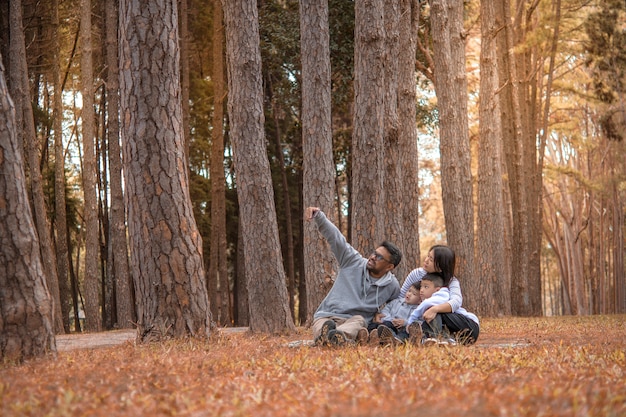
456, 298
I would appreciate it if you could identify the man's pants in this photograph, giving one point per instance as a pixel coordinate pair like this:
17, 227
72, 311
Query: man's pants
350, 327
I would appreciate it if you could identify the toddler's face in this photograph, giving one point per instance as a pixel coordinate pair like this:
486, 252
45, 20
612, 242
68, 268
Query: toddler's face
412, 296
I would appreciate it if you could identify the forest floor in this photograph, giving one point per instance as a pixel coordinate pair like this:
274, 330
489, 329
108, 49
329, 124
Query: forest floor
549, 366
73, 341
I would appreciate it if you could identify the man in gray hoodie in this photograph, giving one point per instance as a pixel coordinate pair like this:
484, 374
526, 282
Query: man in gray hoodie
361, 287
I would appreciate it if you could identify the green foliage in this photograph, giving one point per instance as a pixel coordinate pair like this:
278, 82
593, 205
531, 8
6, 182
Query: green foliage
201, 97
279, 30
606, 48
280, 53
200, 121
201, 113
200, 25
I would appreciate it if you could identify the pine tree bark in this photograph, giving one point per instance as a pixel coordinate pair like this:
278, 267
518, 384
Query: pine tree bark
393, 175
407, 134
368, 151
166, 247
124, 304
93, 317
492, 274
451, 88
26, 307
536, 161
288, 242
317, 148
512, 119
26, 124
183, 21
289, 256
265, 275
62, 247
218, 271
531, 173
241, 300
618, 217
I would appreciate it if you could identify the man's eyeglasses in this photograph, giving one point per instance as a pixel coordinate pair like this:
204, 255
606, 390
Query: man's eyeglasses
379, 257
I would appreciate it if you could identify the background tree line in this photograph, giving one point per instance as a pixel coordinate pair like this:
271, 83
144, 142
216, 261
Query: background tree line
496, 127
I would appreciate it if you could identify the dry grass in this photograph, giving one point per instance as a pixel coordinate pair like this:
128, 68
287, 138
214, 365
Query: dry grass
567, 366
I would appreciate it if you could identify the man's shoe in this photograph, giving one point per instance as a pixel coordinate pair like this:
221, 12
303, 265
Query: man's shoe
323, 338
374, 340
362, 336
429, 341
415, 333
386, 336
337, 338
446, 342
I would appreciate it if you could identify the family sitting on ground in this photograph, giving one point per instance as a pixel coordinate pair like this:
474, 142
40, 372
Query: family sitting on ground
367, 305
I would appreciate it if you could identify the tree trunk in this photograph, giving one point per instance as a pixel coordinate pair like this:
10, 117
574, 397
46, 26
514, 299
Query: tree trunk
518, 105
265, 275
26, 124
62, 248
183, 20
241, 301
26, 310
317, 148
90, 211
451, 87
393, 175
530, 94
104, 236
511, 133
5, 37
289, 260
407, 134
618, 218
536, 161
368, 148
491, 272
218, 272
286, 201
125, 310
303, 309
166, 247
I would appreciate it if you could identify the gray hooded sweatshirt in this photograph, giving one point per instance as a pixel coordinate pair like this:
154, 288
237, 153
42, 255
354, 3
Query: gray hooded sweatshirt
354, 292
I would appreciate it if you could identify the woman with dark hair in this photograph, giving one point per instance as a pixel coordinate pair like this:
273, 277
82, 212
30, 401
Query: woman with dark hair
441, 259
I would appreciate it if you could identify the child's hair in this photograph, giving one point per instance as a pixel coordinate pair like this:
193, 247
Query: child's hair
435, 278
417, 285
444, 260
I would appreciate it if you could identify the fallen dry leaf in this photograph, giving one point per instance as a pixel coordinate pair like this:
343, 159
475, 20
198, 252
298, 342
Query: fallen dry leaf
553, 366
